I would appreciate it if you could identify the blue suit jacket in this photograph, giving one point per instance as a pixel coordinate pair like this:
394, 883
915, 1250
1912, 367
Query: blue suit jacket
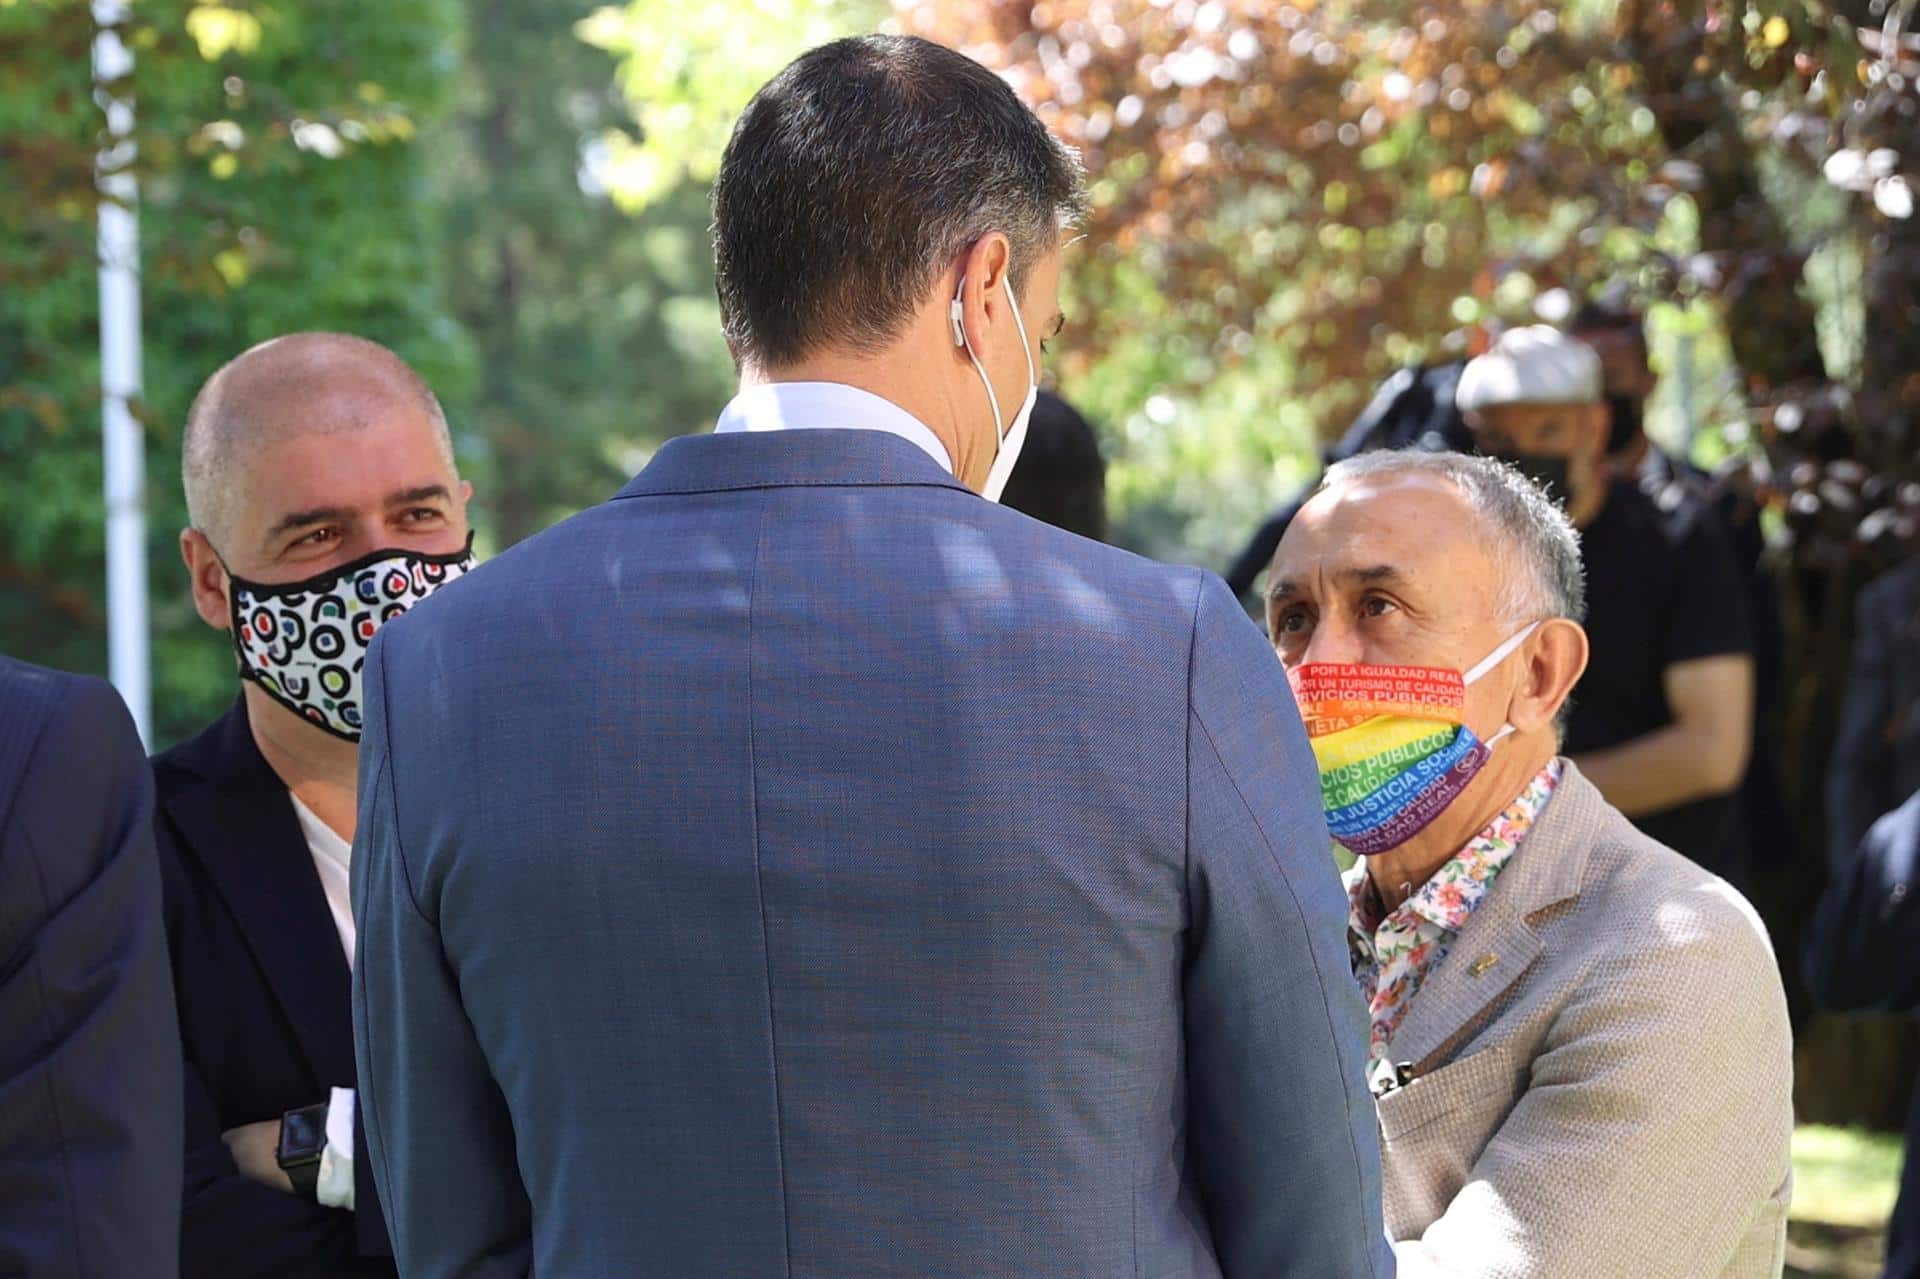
89, 1058
1863, 954
799, 866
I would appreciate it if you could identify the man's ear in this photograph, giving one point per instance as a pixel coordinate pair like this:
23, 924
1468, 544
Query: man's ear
986, 279
207, 577
1556, 657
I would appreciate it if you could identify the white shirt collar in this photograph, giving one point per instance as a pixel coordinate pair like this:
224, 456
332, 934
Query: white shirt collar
332, 858
789, 406
321, 838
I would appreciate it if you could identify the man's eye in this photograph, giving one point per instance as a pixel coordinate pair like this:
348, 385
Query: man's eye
319, 537
1377, 606
1292, 622
421, 514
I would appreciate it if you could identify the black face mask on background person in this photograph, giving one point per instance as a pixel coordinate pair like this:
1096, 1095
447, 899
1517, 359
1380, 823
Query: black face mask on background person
1552, 472
1627, 425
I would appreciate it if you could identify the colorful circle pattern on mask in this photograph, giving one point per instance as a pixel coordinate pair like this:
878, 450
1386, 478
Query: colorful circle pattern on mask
306, 643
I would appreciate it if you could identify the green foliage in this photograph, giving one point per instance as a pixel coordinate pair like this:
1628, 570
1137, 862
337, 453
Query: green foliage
1844, 1176
687, 88
1291, 200
1301, 197
597, 331
343, 165
279, 191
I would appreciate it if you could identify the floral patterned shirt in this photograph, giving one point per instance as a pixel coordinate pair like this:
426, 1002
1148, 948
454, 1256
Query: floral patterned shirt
1393, 956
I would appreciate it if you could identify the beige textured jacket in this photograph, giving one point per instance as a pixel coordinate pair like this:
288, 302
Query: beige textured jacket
1600, 1072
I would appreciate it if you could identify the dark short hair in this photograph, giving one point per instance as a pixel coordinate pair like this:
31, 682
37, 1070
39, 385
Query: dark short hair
857, 175
1061, 478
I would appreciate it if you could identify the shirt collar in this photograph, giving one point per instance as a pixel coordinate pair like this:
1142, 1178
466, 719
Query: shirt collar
789, 406
1452, 892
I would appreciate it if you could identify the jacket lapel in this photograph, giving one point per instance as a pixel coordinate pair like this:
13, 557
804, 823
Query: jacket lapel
1498, 944
242, 826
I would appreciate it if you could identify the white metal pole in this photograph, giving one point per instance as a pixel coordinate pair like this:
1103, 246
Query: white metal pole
122, 446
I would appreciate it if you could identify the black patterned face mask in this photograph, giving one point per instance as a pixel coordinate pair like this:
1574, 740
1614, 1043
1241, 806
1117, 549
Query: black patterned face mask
306, 642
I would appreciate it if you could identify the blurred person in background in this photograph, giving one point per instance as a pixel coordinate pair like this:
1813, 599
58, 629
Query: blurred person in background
324, 501
1618, 336
1863, 955
1758, 845
1662, 720
89, 1054
1579, 1052
1061, 477
1876, 754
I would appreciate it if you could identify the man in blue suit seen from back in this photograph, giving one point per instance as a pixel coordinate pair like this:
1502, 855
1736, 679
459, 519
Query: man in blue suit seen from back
800, 866
89, 1056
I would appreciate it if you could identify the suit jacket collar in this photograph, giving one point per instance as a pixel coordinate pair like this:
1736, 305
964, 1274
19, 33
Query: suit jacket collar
786, 459
238, 821
1499, 941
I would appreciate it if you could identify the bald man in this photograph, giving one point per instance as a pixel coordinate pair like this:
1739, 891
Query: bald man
323, 501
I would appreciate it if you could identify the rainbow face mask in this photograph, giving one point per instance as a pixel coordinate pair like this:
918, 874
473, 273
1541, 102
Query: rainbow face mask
1392, 743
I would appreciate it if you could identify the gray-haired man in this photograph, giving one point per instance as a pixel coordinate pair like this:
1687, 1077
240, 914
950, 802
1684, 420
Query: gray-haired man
1579, 1043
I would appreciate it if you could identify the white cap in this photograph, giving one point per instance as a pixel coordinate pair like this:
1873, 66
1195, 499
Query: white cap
1532, 365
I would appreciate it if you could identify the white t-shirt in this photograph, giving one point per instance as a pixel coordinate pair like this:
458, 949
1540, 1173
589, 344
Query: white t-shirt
333, 858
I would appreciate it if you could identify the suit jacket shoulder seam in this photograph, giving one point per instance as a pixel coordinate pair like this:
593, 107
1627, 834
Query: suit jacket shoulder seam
760, 892
1186, 797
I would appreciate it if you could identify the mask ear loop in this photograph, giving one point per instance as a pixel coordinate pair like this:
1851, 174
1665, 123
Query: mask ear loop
1492, 660
1500, 654
954, 313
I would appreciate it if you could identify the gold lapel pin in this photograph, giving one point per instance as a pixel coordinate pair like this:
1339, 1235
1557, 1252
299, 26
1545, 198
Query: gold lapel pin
1479, 966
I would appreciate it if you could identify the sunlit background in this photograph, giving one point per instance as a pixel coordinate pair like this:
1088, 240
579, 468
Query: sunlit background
1292, 200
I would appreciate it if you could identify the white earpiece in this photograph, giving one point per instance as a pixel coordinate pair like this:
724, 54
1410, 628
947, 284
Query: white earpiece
953, 314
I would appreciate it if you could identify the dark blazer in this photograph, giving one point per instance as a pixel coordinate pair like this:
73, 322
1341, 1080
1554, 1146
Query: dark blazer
1863, 954
264, 1009
89, 1058
1876, 754
802, 867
